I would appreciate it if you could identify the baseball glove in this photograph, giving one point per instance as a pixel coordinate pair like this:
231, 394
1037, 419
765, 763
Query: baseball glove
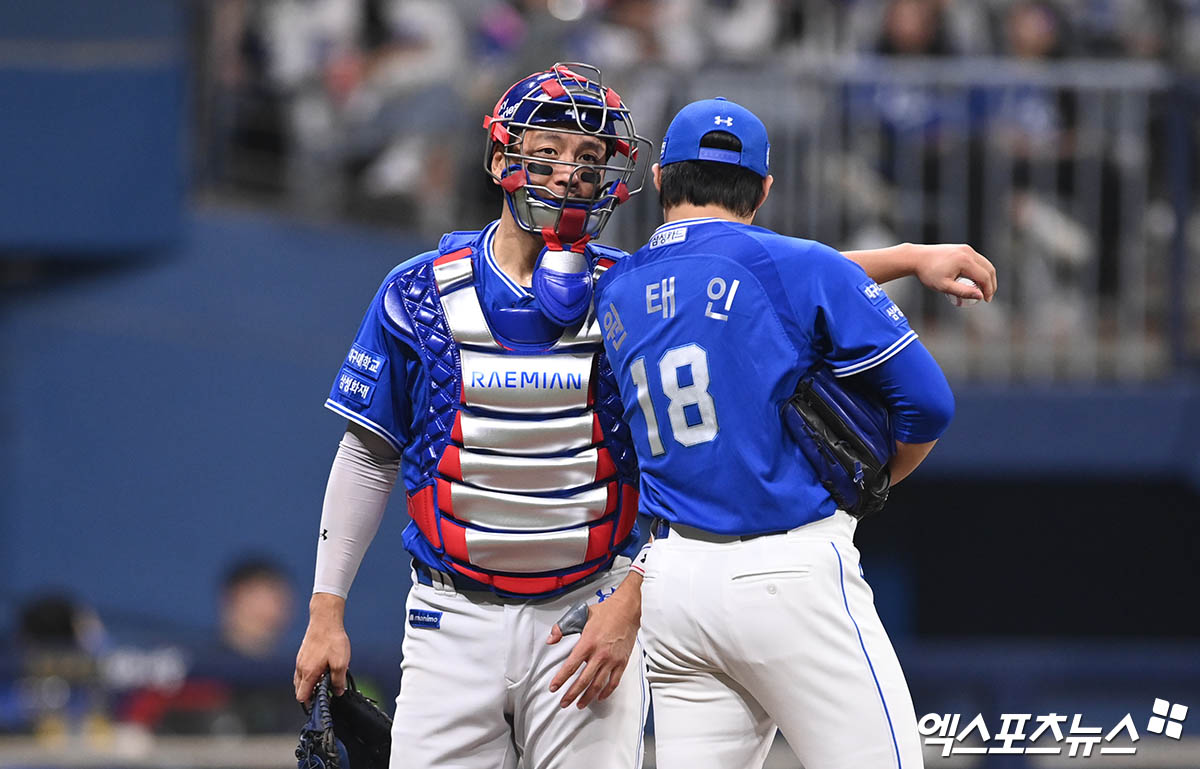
343, 732
847, 436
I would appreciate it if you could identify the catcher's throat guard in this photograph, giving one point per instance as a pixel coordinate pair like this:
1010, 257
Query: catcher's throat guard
569, 99
562, 283
846, 435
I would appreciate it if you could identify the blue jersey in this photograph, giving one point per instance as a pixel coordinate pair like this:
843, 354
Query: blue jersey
709, 327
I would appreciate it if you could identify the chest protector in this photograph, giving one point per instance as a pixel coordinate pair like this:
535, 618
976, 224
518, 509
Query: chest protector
527, 476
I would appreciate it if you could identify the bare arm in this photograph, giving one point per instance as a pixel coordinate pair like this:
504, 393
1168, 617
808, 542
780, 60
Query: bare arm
325, 646
908, 457
936, 266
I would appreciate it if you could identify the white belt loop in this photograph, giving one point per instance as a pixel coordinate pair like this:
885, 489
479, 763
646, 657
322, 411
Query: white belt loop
442, 582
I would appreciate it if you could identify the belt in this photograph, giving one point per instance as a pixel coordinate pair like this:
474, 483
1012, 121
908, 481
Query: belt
443, 580
662, 529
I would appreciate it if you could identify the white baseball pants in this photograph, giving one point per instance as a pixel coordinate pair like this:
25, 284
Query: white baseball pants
779, 631
475, 692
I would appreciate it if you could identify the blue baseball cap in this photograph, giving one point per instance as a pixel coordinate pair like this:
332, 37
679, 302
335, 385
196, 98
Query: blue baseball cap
682, 140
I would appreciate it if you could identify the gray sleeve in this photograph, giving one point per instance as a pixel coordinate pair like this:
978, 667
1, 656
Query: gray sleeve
360, 482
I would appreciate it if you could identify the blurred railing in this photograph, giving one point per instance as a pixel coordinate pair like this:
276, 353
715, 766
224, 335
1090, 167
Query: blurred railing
1071, 177
1074, 177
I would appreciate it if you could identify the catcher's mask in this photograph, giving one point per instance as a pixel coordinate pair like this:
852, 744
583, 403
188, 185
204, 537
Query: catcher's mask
569, 98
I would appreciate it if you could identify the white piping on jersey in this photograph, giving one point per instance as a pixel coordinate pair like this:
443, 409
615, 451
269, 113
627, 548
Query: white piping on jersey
875, 360
685, 222
354, 416
489, 236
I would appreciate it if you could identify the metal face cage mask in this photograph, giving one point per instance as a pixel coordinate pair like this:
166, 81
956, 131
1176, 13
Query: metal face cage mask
569, 98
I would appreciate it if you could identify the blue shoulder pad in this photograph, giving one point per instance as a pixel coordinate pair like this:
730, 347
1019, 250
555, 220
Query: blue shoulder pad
395, 316
412, 278
453, 241
609, 252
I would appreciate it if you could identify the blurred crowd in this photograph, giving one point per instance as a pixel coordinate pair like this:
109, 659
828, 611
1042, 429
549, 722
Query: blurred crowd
68, 674
372, 107
371, 110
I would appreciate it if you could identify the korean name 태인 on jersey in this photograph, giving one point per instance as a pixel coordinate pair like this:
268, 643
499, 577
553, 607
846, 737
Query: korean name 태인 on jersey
711, 289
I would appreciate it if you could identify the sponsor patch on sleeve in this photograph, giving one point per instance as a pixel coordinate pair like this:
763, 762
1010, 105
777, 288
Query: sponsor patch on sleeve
873, 292
365, 362
422, 618
350, 386
893, 313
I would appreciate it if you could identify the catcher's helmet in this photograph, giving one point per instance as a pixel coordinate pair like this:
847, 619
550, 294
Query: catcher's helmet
567, 98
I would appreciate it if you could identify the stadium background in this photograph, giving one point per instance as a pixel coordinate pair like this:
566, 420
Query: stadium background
198, 199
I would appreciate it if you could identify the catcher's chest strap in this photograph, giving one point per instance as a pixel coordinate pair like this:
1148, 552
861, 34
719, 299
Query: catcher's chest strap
448, 583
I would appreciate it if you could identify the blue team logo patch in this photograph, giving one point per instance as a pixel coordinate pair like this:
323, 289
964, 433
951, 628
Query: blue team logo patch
365, 362
873, 292
350, 386
420, 618
893, 313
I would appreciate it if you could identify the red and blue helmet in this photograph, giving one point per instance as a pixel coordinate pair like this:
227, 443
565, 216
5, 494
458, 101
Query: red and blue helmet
567, 98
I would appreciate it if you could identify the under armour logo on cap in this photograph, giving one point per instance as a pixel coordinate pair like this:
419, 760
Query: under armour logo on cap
684, 137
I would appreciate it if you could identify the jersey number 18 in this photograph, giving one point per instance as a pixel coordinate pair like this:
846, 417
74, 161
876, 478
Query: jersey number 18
678, 397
